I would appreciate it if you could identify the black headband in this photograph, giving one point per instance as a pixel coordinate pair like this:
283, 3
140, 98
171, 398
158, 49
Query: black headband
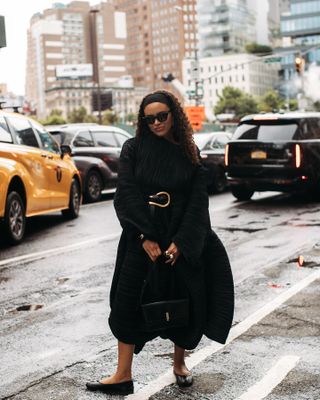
156, 98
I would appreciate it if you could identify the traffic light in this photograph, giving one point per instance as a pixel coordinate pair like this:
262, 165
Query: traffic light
299, 64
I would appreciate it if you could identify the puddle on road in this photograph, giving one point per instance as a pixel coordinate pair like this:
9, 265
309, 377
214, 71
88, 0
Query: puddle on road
62, 280
246, 230
27, 307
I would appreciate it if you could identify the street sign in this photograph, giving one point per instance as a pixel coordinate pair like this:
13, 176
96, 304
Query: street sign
272, 60
196, 116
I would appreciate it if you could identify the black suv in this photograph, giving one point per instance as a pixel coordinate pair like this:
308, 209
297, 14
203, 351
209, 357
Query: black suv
277, 152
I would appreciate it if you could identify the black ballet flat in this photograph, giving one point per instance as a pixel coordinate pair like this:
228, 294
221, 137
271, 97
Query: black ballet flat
184, 380
122, 388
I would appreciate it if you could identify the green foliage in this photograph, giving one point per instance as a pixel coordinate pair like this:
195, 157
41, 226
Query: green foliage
316, 105
237, 102
293, 105
270, 102
131, 117
79, 115
255, 48
54, 118
109, 117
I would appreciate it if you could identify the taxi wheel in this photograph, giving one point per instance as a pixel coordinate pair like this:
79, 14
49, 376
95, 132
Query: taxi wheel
74, 202
15, 218
93, 187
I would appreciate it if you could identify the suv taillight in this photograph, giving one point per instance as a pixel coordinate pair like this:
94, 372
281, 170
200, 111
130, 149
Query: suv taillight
298, 155
226, 155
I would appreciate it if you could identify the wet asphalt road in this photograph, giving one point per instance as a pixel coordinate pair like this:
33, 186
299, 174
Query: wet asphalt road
64, 269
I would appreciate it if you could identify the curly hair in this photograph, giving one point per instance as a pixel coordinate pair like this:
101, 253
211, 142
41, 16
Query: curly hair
183, 132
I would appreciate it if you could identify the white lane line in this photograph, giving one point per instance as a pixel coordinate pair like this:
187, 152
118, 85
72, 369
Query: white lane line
197, 357
272, 379
57, 250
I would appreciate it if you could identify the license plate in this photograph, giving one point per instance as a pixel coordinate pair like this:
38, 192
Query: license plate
258, 154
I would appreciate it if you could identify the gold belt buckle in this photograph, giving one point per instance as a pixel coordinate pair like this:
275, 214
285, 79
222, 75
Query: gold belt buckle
152, 203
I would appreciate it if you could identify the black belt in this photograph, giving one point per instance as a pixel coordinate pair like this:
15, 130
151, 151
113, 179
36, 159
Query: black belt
160, 199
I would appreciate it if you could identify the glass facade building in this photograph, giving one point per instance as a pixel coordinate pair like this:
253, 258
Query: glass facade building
300, 30
302, 22
225, 26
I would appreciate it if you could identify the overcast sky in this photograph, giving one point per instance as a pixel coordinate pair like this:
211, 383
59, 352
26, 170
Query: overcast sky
17, 15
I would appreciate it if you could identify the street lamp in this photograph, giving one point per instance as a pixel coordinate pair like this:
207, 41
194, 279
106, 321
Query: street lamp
95, 61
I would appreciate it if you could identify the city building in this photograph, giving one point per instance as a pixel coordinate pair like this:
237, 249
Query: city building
225, 26
276, 8
260, 10
74, 50
161, 33
246, 72
300, 32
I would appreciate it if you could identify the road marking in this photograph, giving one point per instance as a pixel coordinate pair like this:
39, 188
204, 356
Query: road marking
55, 250
272, 379
197, 357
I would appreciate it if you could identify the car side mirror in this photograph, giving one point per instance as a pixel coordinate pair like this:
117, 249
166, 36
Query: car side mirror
65, 149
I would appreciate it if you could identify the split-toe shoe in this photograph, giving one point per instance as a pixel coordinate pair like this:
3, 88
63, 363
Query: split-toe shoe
184, 380
122, 388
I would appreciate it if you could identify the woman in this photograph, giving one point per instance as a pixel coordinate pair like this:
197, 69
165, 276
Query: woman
163, 158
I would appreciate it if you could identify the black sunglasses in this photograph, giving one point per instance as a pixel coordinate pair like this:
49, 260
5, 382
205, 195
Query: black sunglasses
161, 117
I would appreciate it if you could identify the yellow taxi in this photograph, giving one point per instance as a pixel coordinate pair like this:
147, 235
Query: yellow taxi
37, 176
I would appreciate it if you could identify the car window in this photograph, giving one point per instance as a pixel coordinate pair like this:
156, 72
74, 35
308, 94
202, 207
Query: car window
220, 142
24, 131
105, 139
270, 132
47, 141
313, 129
201, 140
121, 138
5, 135
83, 139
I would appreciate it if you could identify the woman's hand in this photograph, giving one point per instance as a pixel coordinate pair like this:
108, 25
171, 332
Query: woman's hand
152, 249
174, 251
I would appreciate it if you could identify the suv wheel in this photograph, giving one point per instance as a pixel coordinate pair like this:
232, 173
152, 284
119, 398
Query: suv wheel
74, 202
93, 187
15, 218
242, 192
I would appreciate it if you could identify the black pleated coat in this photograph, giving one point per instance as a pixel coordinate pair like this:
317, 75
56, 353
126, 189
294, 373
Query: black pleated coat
148, 165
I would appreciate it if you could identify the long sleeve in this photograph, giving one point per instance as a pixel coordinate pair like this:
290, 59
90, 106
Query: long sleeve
130, 206
193, 230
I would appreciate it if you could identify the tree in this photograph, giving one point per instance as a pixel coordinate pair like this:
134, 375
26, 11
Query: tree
270, 101
109, 117
237, 102
54, 118
79, 115
255, 48
293, 104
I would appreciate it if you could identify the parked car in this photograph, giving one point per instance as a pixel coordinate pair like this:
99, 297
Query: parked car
95, 151
212, 152
37, 176
276, 152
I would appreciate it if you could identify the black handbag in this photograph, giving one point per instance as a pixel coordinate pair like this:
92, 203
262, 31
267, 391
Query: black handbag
169, 311
166, 314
